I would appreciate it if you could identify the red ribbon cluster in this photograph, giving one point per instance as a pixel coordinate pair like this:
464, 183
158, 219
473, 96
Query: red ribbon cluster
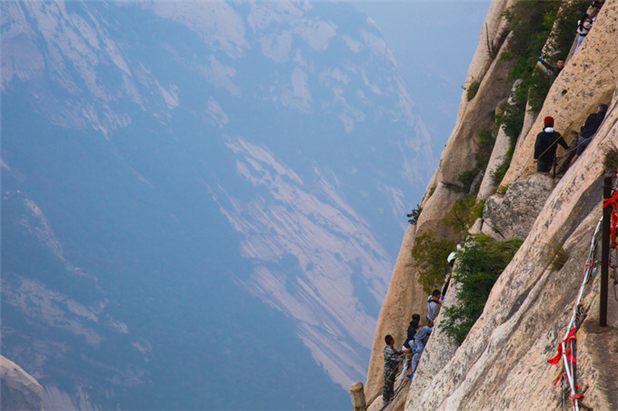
569, 357
613, 202
567, 352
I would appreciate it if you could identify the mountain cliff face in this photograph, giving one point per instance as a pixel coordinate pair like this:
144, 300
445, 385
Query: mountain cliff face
19, 390
405, 296
197, 191
502, 362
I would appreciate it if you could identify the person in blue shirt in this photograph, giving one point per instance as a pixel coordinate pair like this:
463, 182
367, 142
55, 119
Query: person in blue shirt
420, 341
433, 306
416, 318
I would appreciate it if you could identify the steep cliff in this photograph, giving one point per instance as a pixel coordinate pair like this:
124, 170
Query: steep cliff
501, 364
405, 296
20, 391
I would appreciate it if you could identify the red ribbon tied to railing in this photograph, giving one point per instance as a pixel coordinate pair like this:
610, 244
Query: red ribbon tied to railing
567, 353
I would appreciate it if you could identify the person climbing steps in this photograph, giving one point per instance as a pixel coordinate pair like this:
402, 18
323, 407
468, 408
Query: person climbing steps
392, 357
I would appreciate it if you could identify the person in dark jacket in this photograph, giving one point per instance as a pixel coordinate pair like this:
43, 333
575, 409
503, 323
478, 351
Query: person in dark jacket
416, 318
411, 330
589, 129
549, 69
545, 146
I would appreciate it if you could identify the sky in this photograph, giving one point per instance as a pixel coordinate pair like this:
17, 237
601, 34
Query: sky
433, 43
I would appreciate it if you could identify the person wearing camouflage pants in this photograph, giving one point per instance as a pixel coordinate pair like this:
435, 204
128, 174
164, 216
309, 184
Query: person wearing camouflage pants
392, 357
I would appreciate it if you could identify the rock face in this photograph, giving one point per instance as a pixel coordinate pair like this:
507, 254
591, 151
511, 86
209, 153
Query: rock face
497, 158
458, 156
20, 391
512, 215
460, 151
498, 155
502, 365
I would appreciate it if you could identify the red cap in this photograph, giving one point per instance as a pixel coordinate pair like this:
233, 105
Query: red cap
549, 121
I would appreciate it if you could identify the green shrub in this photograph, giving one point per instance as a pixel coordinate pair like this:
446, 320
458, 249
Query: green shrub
559, 257
511, 114
473, 88
498, 174
494, 46
563, 24
486, 140
610, 162
502, 189
511, 118
480, 264
464, 213
492, 116
506, 55
466, 179
532, 23
429, 257
537, 90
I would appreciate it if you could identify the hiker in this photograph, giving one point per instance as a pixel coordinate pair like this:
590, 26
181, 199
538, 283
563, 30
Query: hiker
545, 146
453, 256
451, 260
583, 27
416, 318
588, 130
433, 307
551, 70
420, 341
391, 361
411, 331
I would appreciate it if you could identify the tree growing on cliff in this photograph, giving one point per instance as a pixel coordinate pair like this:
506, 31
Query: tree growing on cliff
479, 265
429, 257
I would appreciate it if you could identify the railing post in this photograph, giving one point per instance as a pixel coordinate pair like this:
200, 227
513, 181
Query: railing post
357, 392
607, 193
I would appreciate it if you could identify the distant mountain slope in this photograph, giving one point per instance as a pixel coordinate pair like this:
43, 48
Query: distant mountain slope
168, 168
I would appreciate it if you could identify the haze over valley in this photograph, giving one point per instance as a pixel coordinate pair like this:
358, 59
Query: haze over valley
202, 202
